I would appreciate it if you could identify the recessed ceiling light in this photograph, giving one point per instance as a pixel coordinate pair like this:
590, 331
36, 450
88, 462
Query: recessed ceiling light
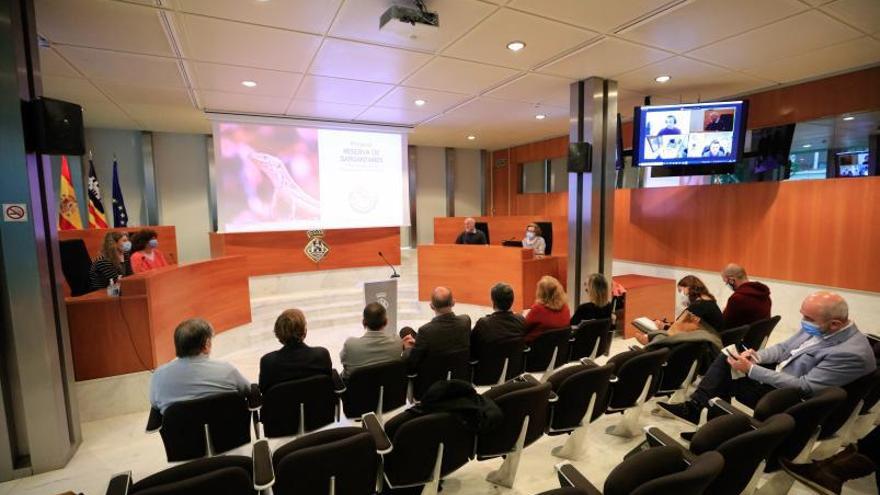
471, 137
516, 46
419, 103
848, 118
540, 116
248, 84
808, 145
662, 79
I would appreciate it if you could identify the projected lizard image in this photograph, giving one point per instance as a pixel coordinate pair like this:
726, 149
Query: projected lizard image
287, 198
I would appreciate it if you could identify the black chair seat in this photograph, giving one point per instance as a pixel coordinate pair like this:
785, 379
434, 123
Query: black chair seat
487, 370
441, 366
283, 403
575, 386
365, 385
633, 369
221, 475
517, 400
733, 335
540, 351
75, 264
591, 339
759, 332
682, 362
226, 417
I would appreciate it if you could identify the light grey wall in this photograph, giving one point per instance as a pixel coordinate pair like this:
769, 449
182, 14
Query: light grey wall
468, 182
126, 145
181, 163
430, 190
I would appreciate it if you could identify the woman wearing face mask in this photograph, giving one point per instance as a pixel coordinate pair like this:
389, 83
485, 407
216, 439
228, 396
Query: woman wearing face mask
145, 251
114, 261
533, 239
694, 296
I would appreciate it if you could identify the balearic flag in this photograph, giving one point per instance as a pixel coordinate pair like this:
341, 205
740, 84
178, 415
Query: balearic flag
97, 219
120, 216
68, 209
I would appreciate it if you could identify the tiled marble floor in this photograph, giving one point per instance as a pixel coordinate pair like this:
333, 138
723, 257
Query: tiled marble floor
119, 443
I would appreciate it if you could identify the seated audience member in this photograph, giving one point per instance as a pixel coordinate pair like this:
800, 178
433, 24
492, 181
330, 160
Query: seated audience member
688, 327
828, 351
295, 359
374, 346
113, 263
193, 374
446, 332
533, 239
599, 300
145, 251
695, 297
750, 301
471, 235
550, 310
500, 326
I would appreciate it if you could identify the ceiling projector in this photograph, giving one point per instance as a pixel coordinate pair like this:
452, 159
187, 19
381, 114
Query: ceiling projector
411, 22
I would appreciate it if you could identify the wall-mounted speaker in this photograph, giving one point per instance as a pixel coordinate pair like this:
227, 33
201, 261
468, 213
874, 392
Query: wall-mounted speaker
580, 157
53, 127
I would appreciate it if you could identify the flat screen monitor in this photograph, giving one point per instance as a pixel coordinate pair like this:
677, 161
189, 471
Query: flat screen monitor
852, 164
690, 134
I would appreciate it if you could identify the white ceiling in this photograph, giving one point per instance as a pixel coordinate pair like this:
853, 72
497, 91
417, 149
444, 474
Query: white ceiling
159, 64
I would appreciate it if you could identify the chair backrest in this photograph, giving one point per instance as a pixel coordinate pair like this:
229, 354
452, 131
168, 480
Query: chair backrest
346, 455
221, 475
591, 339
632, 375
547, 234
576, 386
484, 228
759, 332
541, 349
75, 264
855, 394
776, 402
415, 440
733, 335
225, 416
682, 359
517, 401
808, 416
283, 404
488, 369
365, 385
662, 471
441, 366
743, 447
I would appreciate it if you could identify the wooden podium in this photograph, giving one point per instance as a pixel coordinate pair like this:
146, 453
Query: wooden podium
471, 271
134, 332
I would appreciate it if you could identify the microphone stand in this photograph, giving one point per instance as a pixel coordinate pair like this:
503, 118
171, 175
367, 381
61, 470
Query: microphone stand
394, 273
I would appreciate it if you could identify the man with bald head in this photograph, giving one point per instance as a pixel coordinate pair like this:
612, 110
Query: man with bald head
445, 333
471, 235
750, 301
827, 351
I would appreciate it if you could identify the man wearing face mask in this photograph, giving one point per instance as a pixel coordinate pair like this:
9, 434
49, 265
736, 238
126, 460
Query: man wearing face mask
471, 235
750, 301
828, 351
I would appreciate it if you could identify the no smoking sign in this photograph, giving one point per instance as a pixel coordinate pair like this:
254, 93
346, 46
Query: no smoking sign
15, 212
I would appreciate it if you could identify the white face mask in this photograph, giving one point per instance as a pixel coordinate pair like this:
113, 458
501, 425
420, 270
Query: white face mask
530, 235
683, 299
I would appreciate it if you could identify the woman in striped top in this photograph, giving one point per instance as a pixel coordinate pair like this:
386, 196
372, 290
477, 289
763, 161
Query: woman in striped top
113, 262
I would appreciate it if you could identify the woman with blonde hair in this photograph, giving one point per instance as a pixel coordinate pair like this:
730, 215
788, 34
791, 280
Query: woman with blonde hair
113, 263
599, 300
550, 310
533, 239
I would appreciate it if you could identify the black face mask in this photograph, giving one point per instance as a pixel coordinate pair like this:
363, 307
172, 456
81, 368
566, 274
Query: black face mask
730, 284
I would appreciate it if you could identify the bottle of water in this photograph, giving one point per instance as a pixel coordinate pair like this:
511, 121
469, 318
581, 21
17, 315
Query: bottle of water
113, 288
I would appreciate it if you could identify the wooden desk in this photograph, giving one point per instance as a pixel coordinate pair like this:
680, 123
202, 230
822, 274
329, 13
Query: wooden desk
94, 238
653, 297
501, 228
134, 332
471, 271
282, 251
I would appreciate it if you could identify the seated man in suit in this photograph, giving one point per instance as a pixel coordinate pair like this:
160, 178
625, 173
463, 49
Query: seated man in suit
828, 351
446, 332
500, 326
374, 346
295, 359
471, 235
193, 375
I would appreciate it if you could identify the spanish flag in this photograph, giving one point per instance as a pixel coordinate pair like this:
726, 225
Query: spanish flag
68, 209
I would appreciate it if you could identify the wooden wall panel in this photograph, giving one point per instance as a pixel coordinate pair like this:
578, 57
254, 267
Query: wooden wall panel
541, 150
822, 232
93, 238
446, 229
501, 187
282, 251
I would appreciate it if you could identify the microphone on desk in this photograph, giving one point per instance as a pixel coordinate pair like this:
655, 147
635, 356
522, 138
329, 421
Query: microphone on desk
394, 273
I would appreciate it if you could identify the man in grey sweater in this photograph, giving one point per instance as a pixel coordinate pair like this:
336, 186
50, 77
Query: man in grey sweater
374, 346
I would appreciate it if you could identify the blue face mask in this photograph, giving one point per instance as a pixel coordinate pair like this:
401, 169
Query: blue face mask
811, 328
126, 246
153, 243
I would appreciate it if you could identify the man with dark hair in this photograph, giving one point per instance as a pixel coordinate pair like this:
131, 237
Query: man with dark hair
193, 375
375, 346
445, 333
295, 359
750, 301
500, 326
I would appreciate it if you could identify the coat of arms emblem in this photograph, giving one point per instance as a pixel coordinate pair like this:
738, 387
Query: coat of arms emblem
316, 249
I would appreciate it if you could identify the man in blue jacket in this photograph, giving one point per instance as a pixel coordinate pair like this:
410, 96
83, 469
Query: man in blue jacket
828, 351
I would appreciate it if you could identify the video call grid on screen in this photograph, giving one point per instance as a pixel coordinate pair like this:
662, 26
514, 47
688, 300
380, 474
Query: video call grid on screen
292, 177
693, 134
